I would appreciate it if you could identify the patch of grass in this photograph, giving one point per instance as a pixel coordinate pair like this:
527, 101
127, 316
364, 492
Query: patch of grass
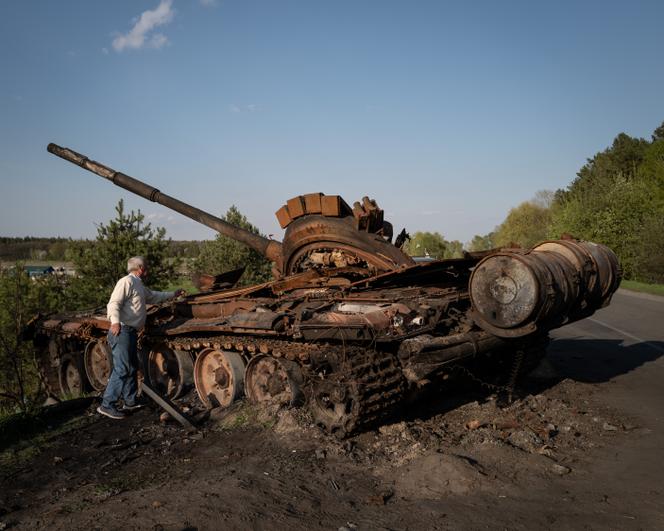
268, 424
634, 285
24, 436
17, 456
244, 415
47, 420
183, 282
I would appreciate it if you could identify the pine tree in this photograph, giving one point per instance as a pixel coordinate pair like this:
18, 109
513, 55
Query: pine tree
224, 254
100, 264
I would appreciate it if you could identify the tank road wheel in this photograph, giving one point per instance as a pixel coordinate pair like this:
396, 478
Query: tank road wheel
169, 371
219, 377
335, 406
98, 361
71, 374
274, 380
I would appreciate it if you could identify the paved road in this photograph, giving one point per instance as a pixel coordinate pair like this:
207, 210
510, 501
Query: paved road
621, 349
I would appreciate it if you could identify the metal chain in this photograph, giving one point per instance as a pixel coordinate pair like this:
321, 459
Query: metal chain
511, 384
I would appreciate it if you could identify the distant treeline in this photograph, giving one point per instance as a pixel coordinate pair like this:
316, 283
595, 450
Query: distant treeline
59, 249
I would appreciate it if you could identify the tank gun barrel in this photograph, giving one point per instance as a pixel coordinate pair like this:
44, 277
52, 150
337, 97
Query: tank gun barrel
271, 249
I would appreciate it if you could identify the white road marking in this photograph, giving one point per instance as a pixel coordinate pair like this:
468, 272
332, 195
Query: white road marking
627, 334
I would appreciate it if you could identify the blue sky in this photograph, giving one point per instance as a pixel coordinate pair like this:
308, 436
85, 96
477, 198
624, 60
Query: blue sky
447, 113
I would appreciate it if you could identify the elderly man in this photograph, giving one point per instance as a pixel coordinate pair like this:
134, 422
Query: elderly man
126, 311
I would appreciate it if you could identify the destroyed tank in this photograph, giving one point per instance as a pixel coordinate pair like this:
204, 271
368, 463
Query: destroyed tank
351, 327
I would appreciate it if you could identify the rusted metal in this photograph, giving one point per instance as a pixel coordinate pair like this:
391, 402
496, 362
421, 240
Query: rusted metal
72, 375
98, 362
169, 371
350, 325
168, 406
556, 282
219, 377
423, 356
274, 380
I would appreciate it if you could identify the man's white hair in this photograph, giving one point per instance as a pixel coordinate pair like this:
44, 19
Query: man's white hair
135, 263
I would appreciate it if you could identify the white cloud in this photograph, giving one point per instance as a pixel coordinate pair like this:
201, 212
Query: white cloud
157, 41
208, 3
160, 219
140, 35
252, 107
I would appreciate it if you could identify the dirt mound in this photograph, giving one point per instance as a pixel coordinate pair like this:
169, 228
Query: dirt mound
274, 469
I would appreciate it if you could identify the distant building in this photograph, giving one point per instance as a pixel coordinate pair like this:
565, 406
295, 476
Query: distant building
425, 258
39, 271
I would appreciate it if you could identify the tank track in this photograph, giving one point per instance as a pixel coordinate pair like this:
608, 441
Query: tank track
249, 347
364, 390
348, 388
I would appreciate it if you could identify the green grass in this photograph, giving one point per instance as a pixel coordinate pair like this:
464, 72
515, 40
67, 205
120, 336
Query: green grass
29, 447
634, 285
244, 415
20, 427
184, 283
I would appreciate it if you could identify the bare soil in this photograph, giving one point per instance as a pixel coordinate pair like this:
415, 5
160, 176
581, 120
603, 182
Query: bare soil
456, 461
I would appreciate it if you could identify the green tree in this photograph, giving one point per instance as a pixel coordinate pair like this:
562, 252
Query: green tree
617, 199
99, 264
433, 244
224, 254
58, 249
21, 298
482, 243
426, 244
649, 253
525, 225
454, 249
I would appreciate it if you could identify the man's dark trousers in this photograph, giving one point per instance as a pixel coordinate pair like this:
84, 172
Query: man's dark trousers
122, 382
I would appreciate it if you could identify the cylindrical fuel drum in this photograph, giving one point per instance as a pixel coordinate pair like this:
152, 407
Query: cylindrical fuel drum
515, 292
598, 268
608, 269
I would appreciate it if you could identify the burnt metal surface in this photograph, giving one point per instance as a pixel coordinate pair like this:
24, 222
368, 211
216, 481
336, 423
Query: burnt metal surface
219, 377
168, 406
554, 283
350, 326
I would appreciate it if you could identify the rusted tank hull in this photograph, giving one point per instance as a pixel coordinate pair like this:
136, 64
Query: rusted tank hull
350, 326
417, 324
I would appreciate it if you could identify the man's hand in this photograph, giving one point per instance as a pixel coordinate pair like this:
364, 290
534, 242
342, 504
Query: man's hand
180, 293
115, 329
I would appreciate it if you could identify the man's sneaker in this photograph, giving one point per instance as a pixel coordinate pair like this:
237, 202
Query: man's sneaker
111, 412
136, 405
